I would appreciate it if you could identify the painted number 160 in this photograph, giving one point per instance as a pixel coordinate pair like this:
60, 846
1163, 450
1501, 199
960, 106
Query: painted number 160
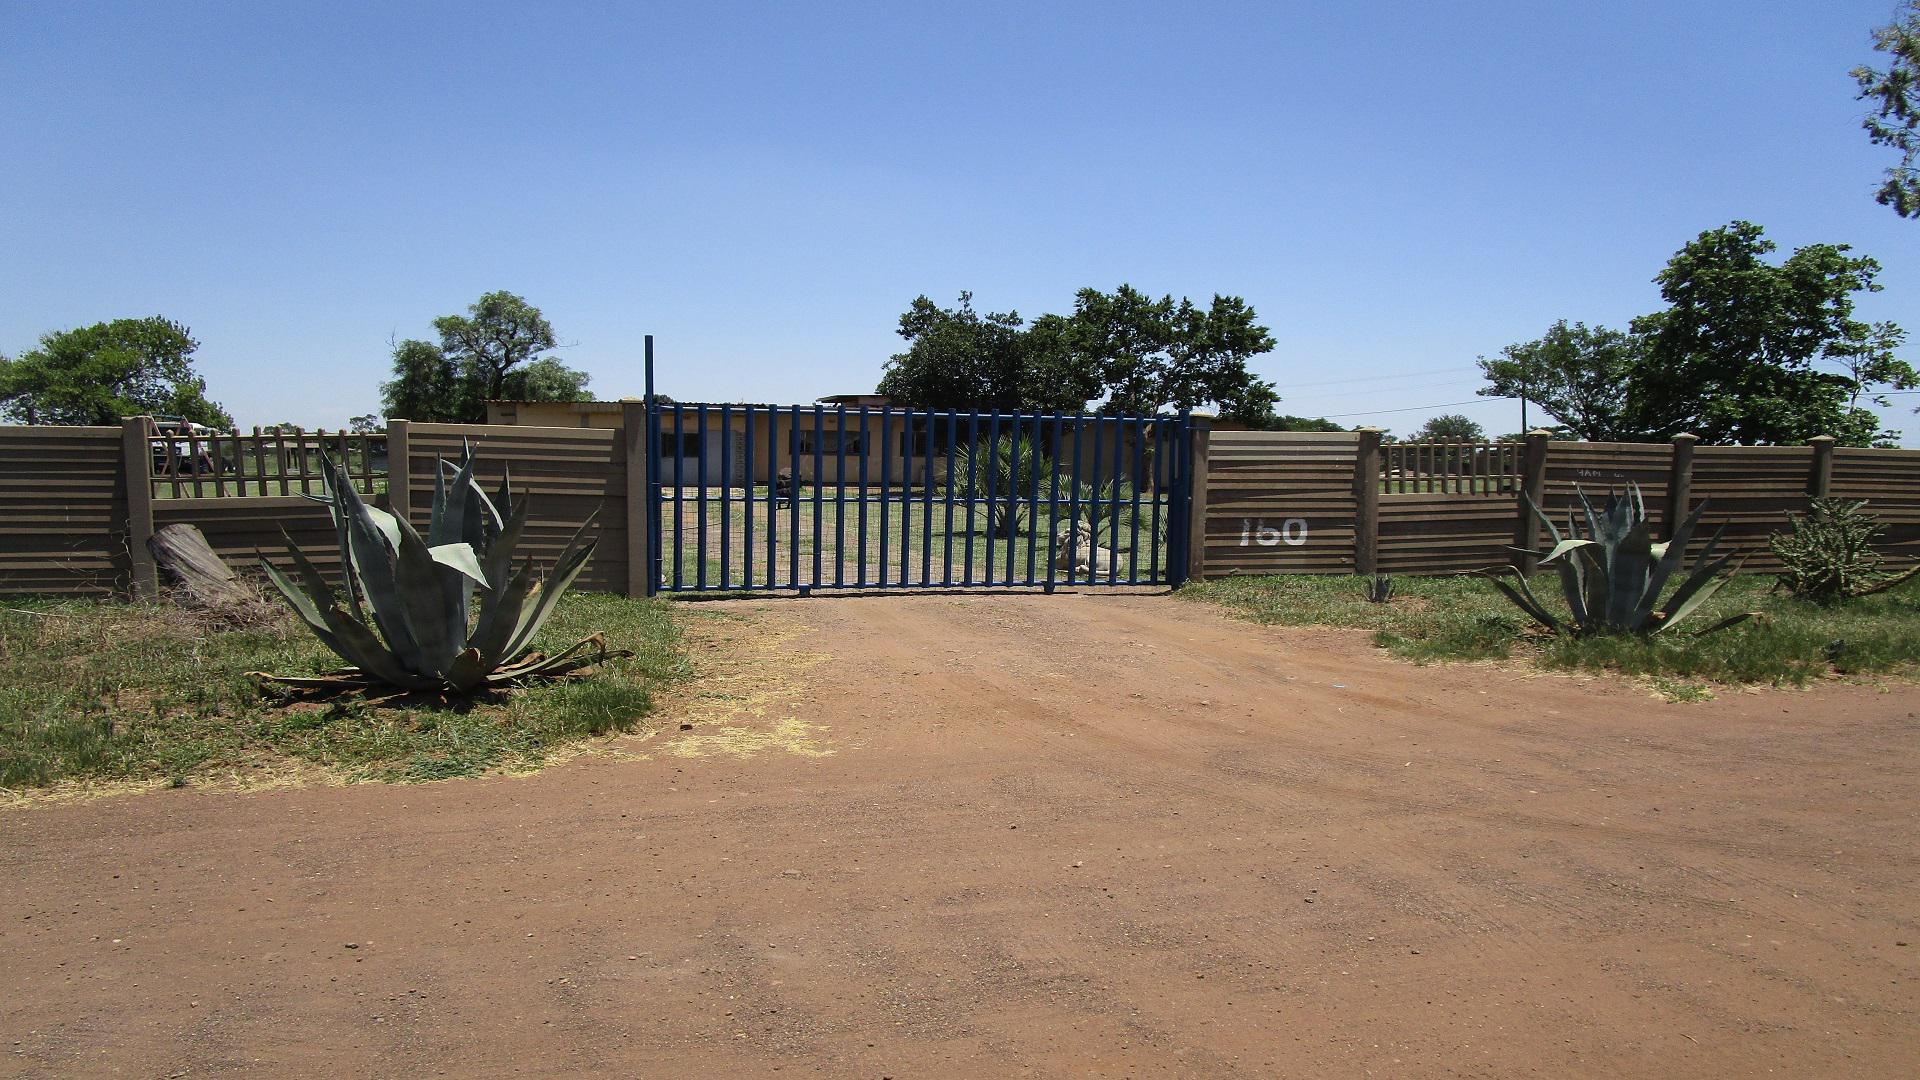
1292, 532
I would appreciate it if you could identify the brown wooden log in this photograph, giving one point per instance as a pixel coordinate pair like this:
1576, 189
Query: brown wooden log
190, 565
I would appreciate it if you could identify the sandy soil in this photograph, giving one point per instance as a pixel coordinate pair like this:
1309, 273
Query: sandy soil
998, 836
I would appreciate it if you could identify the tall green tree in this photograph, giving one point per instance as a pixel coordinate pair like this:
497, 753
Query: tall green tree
1132, 352
492, 352
1154, 355
1449, 427
1895, 93
1578, 375
1750, 351
958, 358
100, 373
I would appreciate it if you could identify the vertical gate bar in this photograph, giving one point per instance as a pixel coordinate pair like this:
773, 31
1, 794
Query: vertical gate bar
700, 509
993, 470
1093, 504
1053, 500
861, 573
1181, 525
886, 488
1073, 501
773, 479
1138, 429
726, 490
300, 447
793, 500
650, 441
1030, 493
819, 469
906, 492
1012, 495
1159, 494
953, 424
926, 504
679, 490
839, 495
746, 517
973, 491
1113, 507
339, 440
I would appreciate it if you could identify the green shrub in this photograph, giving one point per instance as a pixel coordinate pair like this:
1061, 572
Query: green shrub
1828, 553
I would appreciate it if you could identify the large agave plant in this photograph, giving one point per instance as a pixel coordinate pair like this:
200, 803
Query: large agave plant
1613, 577
418, 592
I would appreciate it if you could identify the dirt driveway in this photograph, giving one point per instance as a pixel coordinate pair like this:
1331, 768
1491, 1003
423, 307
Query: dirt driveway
999, 836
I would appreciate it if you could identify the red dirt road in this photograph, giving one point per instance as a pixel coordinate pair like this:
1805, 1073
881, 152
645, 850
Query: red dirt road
1066, 836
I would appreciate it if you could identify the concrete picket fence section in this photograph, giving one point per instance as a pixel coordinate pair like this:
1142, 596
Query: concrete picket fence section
78, 504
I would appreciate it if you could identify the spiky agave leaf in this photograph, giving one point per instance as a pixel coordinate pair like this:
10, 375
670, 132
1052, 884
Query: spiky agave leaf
1521, 595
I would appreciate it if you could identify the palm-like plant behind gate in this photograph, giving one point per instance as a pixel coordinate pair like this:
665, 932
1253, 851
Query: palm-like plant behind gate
1012, 474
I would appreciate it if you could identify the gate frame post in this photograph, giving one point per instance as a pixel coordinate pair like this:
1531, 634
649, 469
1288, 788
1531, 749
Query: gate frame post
136, 466
1199, 441
1820, 481
1366, 489
1679, 483
635, 416
1533, 486
399, 469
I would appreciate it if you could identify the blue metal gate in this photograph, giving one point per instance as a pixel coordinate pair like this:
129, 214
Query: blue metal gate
862, 497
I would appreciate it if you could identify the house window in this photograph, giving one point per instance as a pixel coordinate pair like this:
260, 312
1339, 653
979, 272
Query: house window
686, 444
918, 442
828, 443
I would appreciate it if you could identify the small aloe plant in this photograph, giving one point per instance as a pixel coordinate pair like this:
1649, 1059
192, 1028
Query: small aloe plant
1613, 577
417, 592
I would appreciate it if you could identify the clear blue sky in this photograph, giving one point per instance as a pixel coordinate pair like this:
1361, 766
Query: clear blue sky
1395, 187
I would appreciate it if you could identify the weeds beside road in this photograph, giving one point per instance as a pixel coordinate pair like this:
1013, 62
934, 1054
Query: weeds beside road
1463, 618
94, 691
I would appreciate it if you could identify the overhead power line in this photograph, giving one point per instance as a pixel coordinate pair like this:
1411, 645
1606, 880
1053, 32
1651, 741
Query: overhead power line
1411, 408
1285, 385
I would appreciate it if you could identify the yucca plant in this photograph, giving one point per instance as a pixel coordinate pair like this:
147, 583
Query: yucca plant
1003, 473
1613, 577
1101, 506
417, 592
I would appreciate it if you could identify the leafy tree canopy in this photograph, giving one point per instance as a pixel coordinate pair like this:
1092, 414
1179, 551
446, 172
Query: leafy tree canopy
98, 374
1578, 375
1131, 352
1154, 355
1753, 352
1895, 93
1448, 427
492, 352
958, 358
1285, 422
1747, 351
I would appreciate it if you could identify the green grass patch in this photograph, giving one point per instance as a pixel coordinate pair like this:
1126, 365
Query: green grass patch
1463, 618
107, 691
